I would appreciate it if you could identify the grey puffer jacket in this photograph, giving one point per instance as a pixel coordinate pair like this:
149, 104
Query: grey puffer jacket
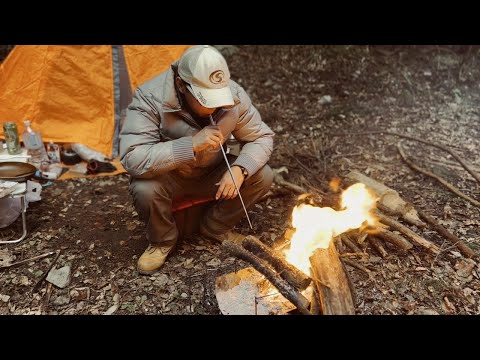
157, 134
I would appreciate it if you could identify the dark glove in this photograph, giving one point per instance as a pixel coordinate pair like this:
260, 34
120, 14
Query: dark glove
95, 167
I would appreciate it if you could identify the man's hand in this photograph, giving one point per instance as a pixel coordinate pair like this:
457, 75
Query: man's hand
226, 187
209, 136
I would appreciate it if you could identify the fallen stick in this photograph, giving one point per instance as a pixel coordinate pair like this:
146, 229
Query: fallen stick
44, 276
377, 245
339, 244
28, 260
361, 254
331, 282
287, 271
350, 244
324, 187
464, 248
274, 194
392, 238
261, 266
278, 179
408, 220
439, 146
445, 183
357, 265
406, 231
46, 297
449, 164
358, 236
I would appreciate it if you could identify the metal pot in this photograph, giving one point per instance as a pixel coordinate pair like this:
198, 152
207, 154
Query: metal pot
16, 171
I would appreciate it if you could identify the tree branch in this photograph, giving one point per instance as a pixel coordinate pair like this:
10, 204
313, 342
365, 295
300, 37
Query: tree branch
439, 146
445, 183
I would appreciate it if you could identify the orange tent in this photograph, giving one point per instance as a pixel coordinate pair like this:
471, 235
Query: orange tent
77, 94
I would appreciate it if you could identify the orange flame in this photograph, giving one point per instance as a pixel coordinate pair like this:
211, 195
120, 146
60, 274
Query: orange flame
335, 184
316, 227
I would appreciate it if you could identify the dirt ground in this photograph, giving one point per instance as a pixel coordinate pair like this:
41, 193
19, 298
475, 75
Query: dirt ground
426, 91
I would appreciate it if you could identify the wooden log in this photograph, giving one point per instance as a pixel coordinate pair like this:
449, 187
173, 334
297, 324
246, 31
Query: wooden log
408, 220
377, 245
387, 196
406, 231
464, 248
287, 271
392, 238
315, 307
332, 283
262, 266
350, 282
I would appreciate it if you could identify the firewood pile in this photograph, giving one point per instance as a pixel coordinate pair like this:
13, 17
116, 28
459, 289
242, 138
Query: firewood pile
328, 289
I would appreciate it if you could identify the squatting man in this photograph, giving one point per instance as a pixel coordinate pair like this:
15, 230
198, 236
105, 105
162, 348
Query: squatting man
171, 149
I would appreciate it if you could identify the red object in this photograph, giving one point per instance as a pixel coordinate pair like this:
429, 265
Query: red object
183, 204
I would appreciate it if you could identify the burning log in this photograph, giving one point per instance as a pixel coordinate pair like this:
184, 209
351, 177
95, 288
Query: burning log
389, 198
406, 231
377, 245
464, 248
331, 282
286, 271
263, 267
392, 238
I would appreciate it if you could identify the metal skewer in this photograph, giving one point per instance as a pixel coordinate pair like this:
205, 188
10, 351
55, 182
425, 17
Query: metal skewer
233, 178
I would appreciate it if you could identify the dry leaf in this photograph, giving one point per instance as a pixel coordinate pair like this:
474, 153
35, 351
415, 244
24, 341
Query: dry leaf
6, 257
214, 262
464, 268
469, 295
114, 307
188, 264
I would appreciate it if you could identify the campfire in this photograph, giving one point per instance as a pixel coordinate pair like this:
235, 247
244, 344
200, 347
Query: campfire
315, 227
311, 272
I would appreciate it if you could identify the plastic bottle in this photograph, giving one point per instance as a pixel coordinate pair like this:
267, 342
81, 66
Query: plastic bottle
34, 143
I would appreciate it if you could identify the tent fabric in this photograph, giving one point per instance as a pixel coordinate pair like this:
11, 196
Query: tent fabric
67, 92
143, 63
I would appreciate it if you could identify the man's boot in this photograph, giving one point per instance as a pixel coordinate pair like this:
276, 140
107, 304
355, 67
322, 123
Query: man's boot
153, 259
230, 235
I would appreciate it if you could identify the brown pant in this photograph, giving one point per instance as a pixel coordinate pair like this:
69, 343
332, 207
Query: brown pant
153, 200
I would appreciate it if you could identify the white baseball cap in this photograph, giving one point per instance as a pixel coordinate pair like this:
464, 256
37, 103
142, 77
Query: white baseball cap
205, 71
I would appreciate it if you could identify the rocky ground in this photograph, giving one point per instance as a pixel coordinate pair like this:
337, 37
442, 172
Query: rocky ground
306, 94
